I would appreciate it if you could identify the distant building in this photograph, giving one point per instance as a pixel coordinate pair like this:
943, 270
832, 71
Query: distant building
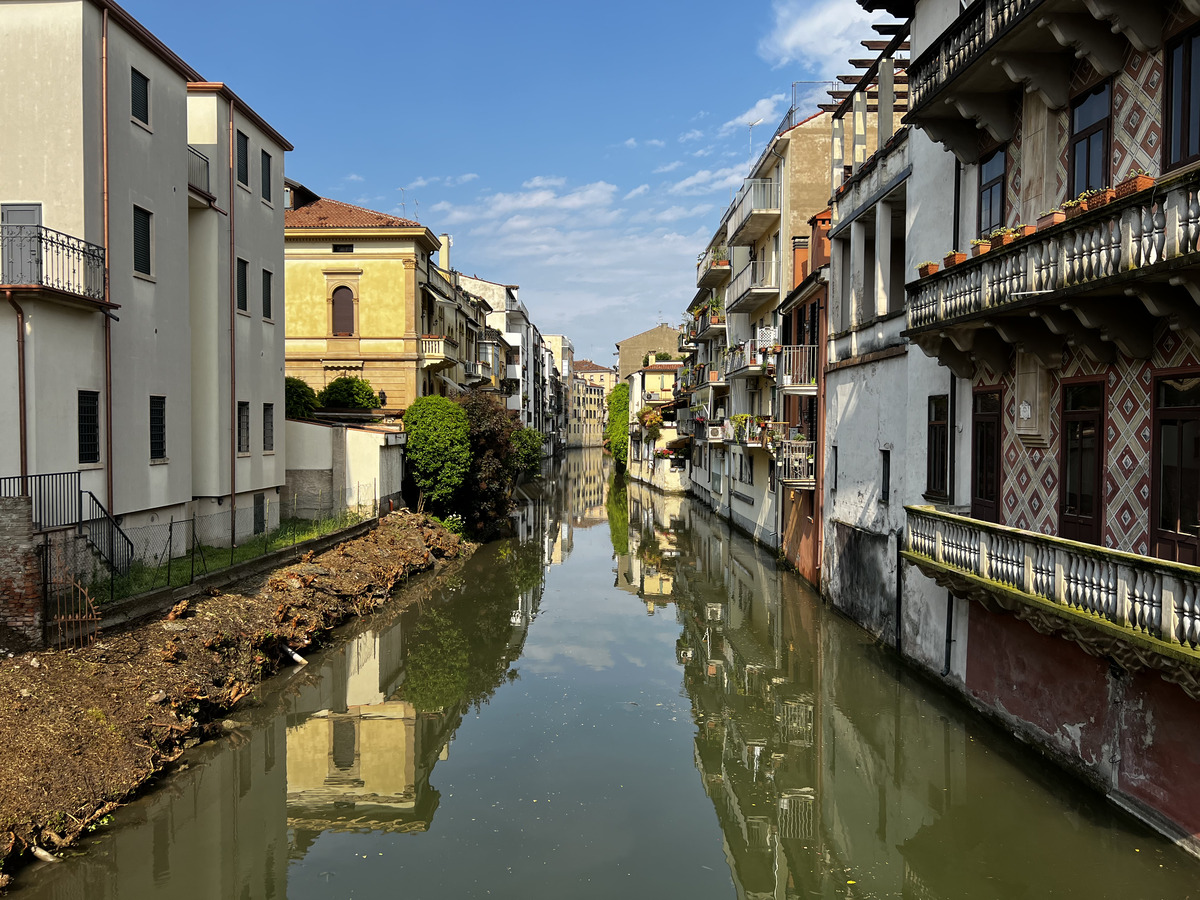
604, 376
632, 350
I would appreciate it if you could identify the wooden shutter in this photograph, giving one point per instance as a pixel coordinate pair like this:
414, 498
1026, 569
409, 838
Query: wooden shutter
139, 96
158, 427
266, 175
343, 311
141, 240
243, 158
266, 294
243, 268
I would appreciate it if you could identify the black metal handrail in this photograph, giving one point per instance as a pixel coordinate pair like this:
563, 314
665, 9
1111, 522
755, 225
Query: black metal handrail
198, 170
105, 535
36, 255
55, 497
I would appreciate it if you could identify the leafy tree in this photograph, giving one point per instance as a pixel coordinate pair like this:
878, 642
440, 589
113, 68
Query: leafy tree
299, 398
618, 514
617, 430
438, 664
489, 482
439, 447
348, 392
663, 356
527, 451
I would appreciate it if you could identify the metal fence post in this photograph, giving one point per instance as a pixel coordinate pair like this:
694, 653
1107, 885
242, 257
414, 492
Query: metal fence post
170, 547
192, 576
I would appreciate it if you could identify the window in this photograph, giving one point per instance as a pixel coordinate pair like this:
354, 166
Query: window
267, 277
139, 96
243, 273
833, 472
343, 248
985, 456
243, 159
1090, 114
89, 427
142, 241
268, 427
1176, 468
1182, 101
266, 175
885, 476
243, 423
991, 192
1082, 458
343, 311
158, 427
937, 466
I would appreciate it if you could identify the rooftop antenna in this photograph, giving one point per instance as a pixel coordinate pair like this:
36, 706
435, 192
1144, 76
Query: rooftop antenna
757, 121
403, 211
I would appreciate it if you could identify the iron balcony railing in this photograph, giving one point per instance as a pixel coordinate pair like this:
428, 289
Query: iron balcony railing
755, 195
796, 462
758, 275
56, 500
105, 535
798, 366
32, 255
198, 171
1155, 602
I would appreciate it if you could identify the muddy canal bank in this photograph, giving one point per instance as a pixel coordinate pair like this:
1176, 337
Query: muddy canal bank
85, 730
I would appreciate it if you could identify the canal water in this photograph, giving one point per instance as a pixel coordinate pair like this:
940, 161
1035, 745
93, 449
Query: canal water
626, 700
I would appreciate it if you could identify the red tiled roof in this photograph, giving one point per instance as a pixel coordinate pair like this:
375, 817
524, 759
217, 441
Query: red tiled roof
586, 365
326, 213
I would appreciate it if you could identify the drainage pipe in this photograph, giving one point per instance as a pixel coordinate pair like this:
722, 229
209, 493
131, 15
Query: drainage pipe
108, 391
949, 631
899, 534
233, 401
21, 399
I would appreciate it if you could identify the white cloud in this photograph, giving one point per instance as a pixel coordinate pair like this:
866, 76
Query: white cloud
462, 179
353, 177
491, 207
675, 213
419, 182
655, 142
703, 151
694, 135
818, 36
707, 180
768, 109
669, 167
544, 181
637, 192
445, 180
631, 143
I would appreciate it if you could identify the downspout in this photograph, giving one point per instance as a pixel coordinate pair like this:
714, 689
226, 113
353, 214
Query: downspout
233, 403
819, 498
108, 392
8, 295
949, 631
899, 535
957, 203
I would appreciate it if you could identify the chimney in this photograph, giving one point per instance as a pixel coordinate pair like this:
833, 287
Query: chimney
444, 252
799, 259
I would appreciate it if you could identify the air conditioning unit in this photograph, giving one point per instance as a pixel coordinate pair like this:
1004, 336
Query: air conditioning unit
715, 433
649, 395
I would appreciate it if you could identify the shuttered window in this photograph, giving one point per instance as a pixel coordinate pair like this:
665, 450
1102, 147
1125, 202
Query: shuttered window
139, 96
243, 159
243, 427
343, 311
243, 270
267, 278
266, 175
141, 241
268, 427
158, 427
89, 427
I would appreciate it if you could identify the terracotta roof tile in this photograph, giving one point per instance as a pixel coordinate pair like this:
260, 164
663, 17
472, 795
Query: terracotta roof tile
586, 365
326, 213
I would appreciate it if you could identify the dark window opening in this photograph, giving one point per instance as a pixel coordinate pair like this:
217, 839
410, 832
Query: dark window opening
243, 274
266, 293
266, 175
243, 159
268, 426
1090, 117
139, 96
885, 476
985, 457
991, 192
343, 248
142, 241
89, 427
1176, 468
343, 312
243, 427
937, 469
1181, 100
158, 427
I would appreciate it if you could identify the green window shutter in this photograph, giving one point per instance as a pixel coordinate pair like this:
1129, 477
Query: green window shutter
243, 158
141, 241
139, 96
266, 293
266, 175
243, 268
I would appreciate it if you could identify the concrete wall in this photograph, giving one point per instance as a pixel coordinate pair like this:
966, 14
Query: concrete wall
21, 608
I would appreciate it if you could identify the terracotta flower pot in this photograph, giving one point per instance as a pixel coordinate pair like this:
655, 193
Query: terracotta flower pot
1024, 231
1102, 198
1003, 240
1052, 218
981, 248
1133, 184
924, 271
1073, 212
953, 259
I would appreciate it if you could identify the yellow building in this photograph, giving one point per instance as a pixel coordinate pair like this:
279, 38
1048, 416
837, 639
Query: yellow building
365, 298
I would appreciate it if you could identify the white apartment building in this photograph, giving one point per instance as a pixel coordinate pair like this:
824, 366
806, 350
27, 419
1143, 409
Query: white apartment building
141, 215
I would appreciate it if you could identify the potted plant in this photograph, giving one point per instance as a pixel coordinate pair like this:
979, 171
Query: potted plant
927, 268
953, 258
777, 348
1073, 208
1050, 218
980, 246
1136, 180
1023, 231
1002, 237
1098, 198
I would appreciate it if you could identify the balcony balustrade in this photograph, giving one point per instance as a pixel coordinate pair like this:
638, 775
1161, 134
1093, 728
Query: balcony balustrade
756, 282
1100, 279
32, 256
753, 358
797, 369
198, 171
796, 463
755, 210
438, 351
1138, 611
713, 269
710, 326
441, 284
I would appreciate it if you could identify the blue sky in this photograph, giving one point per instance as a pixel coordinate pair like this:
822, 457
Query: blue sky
583, 151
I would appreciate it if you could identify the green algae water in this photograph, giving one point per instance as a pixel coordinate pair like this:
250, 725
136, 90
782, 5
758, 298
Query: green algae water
628, 700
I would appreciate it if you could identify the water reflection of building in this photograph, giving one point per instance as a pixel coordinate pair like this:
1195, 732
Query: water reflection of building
586, 486
648, 569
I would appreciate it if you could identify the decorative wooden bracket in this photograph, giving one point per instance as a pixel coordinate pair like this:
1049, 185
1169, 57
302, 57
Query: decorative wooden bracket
1140, 22
1033, 337
993, 112
1129, 327
1048, 74
1092, 40
1086, 339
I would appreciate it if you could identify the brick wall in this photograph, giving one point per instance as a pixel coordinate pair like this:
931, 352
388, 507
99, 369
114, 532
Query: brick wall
21, 608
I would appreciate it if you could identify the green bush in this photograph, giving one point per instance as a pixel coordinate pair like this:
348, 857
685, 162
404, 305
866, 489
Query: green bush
348, 392
527, 451
299, 398
439, 448
617, 431
486, 498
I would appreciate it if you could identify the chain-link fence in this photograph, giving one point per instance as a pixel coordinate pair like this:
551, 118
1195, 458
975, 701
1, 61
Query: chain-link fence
176, 553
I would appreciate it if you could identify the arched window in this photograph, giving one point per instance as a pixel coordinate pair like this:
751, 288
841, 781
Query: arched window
343, 311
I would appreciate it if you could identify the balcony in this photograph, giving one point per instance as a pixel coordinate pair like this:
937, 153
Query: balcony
438, 352
796, 464
441, 285
37, 259
713, 269
797, 369
964, 79
753, 358
1099, 281
755, 211
710, 327
474, 370
1140, 612
755, 284
198, 173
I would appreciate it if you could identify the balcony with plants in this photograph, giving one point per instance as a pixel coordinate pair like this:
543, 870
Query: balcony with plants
757, 357
713, 268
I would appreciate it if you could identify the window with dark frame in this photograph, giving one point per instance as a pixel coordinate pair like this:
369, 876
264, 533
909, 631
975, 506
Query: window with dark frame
266, 175
1181, 101
89, 427
268, 427
158, 427
937, 466
243, 427
343, 248
243, 159
143, 257
1091, 116
833, 469
343, 311
267, 278
243, 275
885, 476
139, 96
991, 191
